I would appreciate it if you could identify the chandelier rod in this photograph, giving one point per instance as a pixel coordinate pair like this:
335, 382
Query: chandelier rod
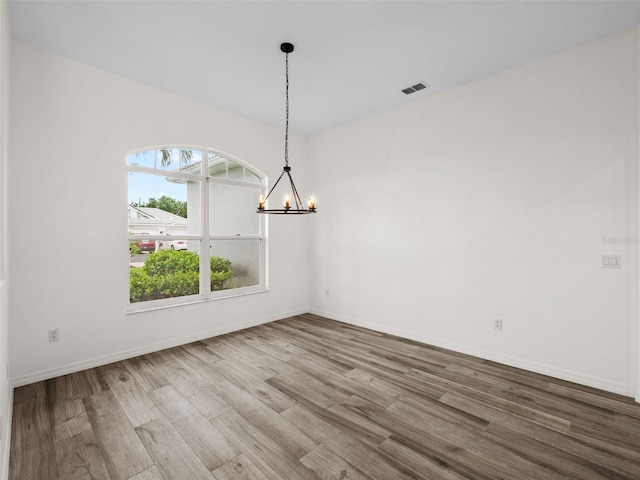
286, 124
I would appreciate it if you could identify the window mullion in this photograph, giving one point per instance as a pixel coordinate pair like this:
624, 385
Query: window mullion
205, 250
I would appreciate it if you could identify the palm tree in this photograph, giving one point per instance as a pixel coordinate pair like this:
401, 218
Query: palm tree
186, 156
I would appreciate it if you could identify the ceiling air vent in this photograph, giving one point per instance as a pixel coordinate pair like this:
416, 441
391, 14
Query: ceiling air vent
414, 88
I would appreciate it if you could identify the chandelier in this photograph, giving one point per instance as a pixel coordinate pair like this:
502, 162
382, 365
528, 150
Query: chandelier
287, 207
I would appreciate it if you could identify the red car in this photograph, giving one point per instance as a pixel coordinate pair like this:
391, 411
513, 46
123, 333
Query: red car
146, 245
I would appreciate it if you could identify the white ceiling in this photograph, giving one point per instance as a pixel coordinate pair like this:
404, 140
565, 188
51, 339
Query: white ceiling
351, 60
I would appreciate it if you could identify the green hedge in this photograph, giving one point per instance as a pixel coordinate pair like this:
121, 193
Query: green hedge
133, 248
221, 273
170, 273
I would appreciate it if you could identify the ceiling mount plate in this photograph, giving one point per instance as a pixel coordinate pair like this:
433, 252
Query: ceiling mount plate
286, 47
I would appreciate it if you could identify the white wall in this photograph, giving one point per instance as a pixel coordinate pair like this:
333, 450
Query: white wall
6, 392
638, 242
71, 126
488, 202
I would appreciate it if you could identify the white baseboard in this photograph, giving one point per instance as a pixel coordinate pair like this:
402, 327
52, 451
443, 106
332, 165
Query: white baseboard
6, 440
543, 369
125, 354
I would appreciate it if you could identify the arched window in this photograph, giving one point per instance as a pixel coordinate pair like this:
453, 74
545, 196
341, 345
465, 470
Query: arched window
193, 230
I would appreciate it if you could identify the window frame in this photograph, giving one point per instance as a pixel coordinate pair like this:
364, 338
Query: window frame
205, 237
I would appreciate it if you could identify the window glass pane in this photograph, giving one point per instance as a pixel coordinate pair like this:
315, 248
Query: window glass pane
235, 171
233, 210
162, 205
142, 159
179, 244
168, 159
164, 273
217, 165
244, 258
191, 161
251, 177
140, 244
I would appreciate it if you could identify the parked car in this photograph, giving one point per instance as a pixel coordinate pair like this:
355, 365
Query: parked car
175, 244
146, 245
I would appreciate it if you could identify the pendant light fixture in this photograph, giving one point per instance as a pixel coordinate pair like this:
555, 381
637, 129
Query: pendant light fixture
287, 208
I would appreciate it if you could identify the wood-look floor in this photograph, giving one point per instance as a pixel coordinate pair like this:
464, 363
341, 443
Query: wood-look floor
309, 398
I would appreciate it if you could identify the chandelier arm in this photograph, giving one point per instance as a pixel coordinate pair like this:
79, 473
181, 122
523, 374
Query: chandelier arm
296, 197
274, 186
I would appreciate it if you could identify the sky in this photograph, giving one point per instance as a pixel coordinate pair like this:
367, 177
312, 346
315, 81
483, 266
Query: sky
143, 186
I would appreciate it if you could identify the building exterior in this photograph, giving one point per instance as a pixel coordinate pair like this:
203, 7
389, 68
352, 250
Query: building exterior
154, 221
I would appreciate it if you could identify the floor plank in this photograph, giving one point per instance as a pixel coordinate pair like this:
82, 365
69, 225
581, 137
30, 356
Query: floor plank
240, 468
134, 400
173, 404
80, 458
152, 474
123, 452
246, 379
203, 398
367, 460
69, 415
202, 352
279, 430
207, 442
144, 371
419, 464
172, 455
330, 466
32, 436
274, 461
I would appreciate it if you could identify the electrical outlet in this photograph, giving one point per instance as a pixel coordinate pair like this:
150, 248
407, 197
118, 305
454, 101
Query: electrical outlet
497, 324
611, 261
54, 335
326, 293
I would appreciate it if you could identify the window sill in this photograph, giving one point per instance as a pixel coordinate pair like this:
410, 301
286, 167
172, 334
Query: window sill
145, 307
